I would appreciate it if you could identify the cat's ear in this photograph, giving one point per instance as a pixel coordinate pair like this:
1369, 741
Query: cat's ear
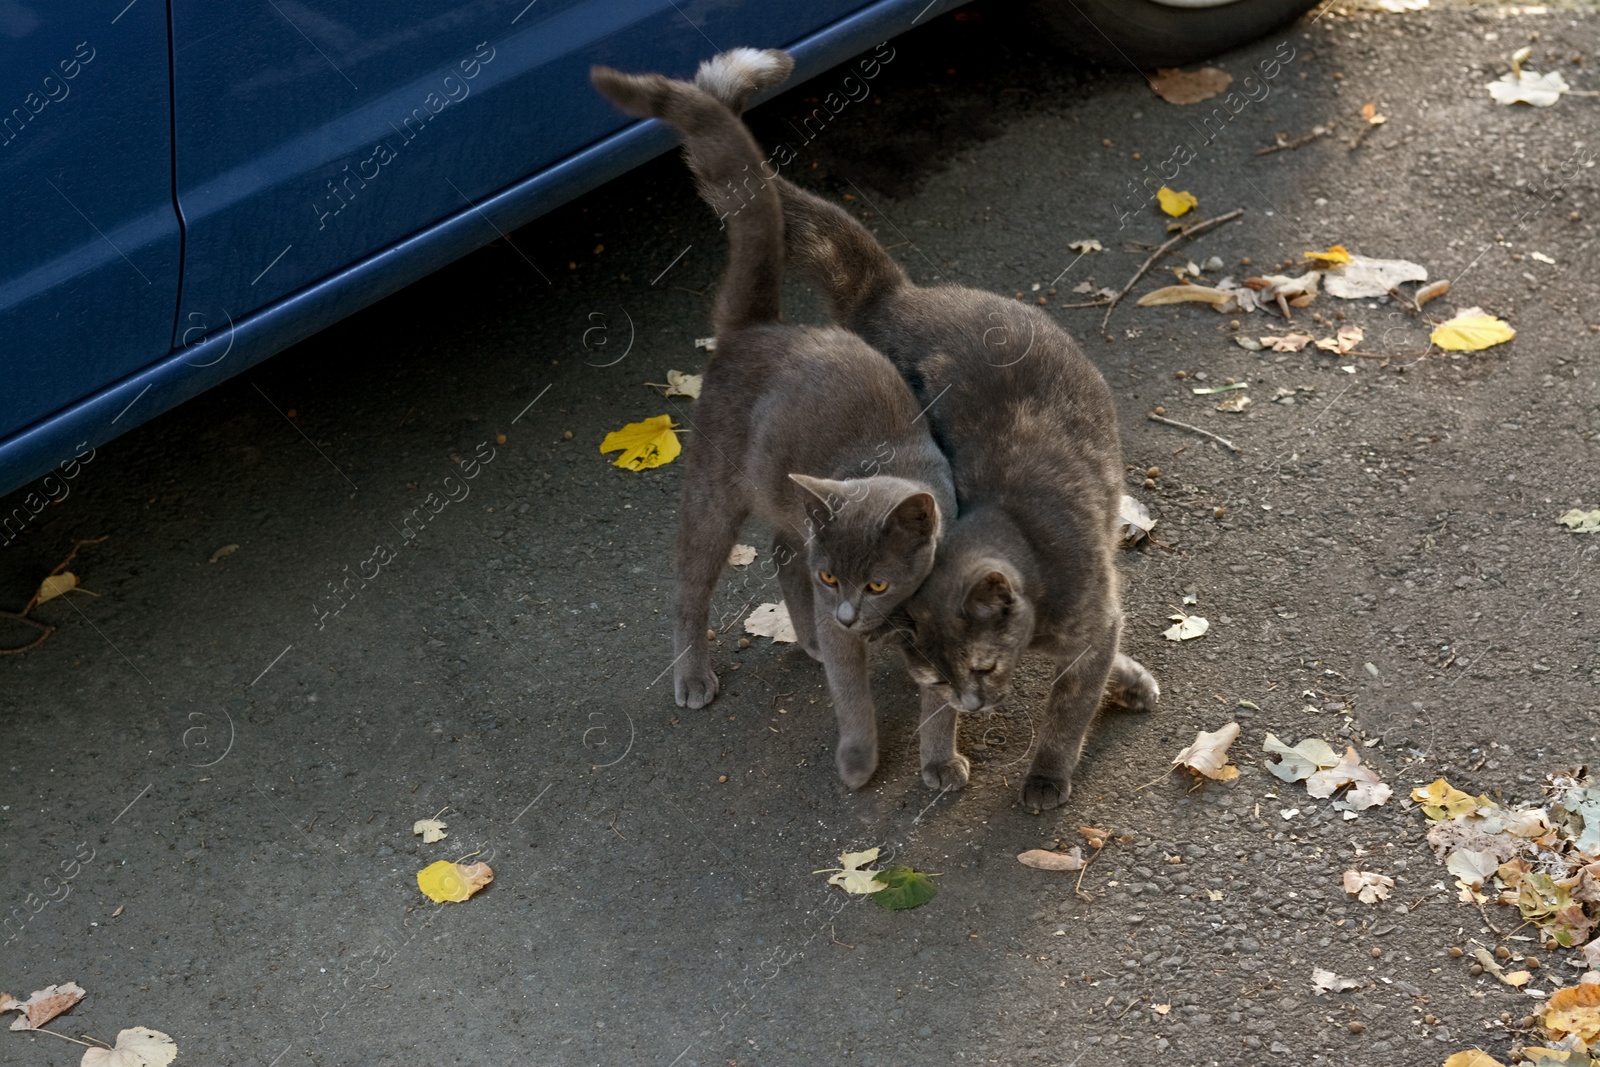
990, 596
916, 516
826, 490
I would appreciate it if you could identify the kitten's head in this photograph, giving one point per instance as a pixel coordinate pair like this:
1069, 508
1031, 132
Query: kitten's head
872, 544
965, 630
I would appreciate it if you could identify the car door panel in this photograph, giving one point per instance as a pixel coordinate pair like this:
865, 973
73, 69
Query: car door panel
311, 134
90, 247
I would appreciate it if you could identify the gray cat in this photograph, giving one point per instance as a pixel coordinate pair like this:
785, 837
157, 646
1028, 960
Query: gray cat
793, 424
1031, 430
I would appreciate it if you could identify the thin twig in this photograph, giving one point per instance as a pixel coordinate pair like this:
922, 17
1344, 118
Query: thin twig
1283, 146
64, 1037
1223, 441
45, 630
1086, 304
1188, 231
1355, 142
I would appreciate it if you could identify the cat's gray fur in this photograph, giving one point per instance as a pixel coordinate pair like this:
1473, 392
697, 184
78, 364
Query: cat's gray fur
1031, 431
793, 424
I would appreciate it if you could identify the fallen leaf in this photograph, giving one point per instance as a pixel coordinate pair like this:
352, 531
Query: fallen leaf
1185, 294
45, 1004
1186, 628
1292, 342
1349, 770
431, 830
138, 1046
1344, 340
1085, 246
1471, 868
1214, 894
771, 620
1573, 1011
1177, 86
1134, 521
1208, 755
1285, 290
707, 343
1095, 836
1472, 1058
1526, 87
1327, 982
1250, 344
680, 384
1363, 278
1441, 800
1176, 204
1335, 255
444, 880
1369, 887
646, 444
1470, 331
1581, 521
1431, 290
742, 556
1237, 402
1301, 761
224, 552
853, 875
903, 888
1045, 860
57, 584
1568, 1057
1516, 979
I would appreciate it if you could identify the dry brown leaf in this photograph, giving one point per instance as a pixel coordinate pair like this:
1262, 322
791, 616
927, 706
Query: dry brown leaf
742, 556
1291, 342
771, 620
1208, 755
45, 1004
1045, 860
137, 1046
57, 584
1185, 294
1472, 1058
1345, 340
1368, 886
1576, 1011
1096, 837
1177, 86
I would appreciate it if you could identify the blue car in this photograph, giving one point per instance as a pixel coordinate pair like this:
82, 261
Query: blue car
191, 186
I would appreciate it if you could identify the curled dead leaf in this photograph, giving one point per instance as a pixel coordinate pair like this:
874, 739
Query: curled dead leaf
43, 1005
1177, 86
1208, 755
1045, 860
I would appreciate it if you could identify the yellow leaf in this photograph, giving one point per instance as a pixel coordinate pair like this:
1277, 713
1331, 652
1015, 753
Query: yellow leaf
1472, 1058
1441, 800
431, 830
1470, 331
57, 584
644, 444
855, 876
444, 880
1176, 204
1574, 1010
1335, 255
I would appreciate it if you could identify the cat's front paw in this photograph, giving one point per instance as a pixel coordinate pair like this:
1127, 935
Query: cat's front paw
952, 773
694, 686
856, 763
1041, 792
1131, 687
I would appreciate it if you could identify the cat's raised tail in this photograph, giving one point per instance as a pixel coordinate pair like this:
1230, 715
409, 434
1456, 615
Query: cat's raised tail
726, 164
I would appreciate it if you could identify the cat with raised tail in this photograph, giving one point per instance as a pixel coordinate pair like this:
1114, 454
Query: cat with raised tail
1031, 430
810, 429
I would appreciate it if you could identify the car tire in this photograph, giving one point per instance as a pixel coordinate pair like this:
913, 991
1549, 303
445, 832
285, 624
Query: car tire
1149, 35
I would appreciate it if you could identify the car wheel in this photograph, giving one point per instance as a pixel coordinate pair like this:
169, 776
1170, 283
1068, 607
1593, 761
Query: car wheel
1160, 33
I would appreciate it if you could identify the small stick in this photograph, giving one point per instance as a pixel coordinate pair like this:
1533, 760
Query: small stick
1282, 146
1223, 441
1355, 142
1188, 231
64, 1037
44, 629
1085, 304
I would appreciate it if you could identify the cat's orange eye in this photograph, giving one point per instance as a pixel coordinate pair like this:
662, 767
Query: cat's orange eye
827, 577
878, 587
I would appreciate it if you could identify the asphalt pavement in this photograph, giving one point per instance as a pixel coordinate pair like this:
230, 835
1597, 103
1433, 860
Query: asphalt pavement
388, 575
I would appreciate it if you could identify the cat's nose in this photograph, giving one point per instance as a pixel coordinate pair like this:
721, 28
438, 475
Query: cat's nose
845, 612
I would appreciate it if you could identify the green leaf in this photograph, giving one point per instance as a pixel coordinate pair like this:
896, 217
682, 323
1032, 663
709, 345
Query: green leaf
903, 888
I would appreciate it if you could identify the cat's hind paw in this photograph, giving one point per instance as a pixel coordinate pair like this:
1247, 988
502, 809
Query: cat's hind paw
856, 763
1041, 792
953, 773
1131, 687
